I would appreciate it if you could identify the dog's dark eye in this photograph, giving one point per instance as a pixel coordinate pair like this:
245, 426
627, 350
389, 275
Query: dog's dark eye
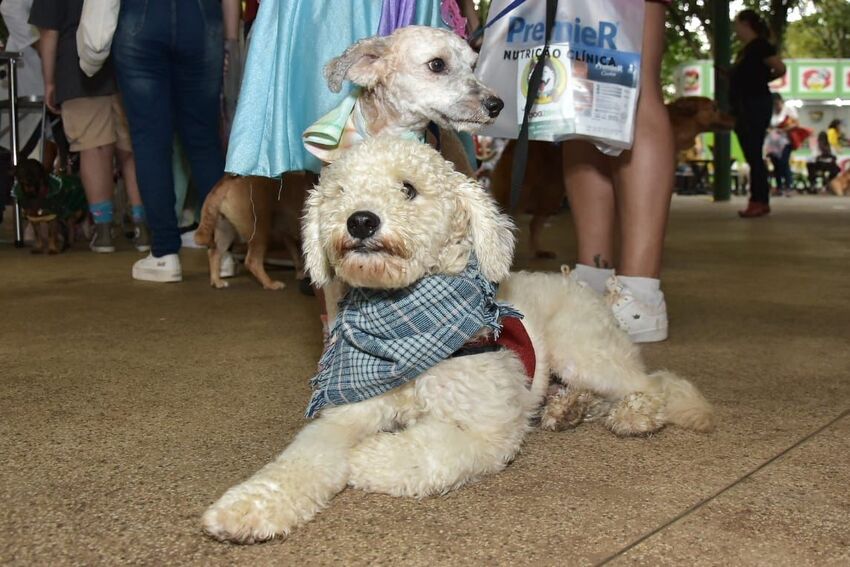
437, 65
409, 191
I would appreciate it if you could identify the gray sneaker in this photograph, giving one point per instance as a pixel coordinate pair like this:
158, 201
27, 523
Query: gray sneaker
102, 239
141, 237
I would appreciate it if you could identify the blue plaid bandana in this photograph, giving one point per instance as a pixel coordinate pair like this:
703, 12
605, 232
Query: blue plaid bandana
382, 339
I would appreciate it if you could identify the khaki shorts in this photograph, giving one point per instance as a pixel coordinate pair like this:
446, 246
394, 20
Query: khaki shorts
90, 122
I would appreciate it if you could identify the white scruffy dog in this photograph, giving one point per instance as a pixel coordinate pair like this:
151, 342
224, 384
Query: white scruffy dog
467, 416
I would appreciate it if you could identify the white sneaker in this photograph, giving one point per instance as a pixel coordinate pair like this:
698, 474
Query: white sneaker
164, 269
227, 269
643, 323
588, 276
187, 240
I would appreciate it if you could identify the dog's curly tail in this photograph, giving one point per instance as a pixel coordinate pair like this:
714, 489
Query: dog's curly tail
684, 405
205, 234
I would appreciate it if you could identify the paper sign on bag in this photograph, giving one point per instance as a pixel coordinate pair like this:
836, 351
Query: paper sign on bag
591, 77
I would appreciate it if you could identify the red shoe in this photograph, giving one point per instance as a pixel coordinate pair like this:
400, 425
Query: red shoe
754, 209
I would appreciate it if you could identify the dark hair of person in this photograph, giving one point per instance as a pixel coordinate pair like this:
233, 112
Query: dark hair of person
835, 124
756, 23
777, 98
823, 144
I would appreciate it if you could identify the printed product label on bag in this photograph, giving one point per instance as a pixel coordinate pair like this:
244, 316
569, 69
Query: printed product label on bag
592, 75
588, 92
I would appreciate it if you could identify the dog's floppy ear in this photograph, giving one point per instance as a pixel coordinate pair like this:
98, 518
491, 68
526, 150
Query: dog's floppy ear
315, 260
492, 232
362, 63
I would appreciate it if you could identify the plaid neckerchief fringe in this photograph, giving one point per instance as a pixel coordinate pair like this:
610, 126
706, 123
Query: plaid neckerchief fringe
382, 339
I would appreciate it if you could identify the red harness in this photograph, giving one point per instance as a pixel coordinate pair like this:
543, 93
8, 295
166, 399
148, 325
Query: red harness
513, 337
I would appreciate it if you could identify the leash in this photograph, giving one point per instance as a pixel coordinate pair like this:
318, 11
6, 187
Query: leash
435, 131
521, 148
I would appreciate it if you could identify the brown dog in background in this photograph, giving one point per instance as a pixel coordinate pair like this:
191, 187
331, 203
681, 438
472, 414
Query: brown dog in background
693, 115
53, 204
841, 184
543, 190
264, 212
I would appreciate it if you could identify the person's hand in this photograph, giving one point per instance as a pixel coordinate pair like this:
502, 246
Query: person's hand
50, 98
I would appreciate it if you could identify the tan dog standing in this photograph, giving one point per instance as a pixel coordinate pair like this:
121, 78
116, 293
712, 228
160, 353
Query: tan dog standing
264, 212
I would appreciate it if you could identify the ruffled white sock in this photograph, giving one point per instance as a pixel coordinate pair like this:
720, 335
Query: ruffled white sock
594, 277
646, 290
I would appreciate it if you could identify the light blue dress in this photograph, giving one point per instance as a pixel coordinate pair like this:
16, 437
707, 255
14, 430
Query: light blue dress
283, 90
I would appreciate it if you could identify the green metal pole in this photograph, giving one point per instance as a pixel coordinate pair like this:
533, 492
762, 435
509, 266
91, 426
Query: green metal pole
722, 56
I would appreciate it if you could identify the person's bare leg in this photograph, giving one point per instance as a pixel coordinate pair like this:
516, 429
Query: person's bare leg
128, 172
96, 173
643, 177
591, 194
49, 158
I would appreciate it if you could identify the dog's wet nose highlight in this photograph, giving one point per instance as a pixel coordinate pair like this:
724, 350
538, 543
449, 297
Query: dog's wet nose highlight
494, 106
363, 224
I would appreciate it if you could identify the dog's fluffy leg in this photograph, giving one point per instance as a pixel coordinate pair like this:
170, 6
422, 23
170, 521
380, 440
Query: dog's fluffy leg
589, 352
478, 414
300, 482
565, 407
429, 457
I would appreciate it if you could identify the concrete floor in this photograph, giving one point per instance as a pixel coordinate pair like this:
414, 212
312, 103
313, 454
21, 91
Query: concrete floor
129, 407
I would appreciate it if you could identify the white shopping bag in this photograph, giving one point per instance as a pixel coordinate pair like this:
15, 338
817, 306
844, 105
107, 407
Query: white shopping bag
591, 76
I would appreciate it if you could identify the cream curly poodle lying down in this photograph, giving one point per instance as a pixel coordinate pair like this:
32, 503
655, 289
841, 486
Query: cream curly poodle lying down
419, 244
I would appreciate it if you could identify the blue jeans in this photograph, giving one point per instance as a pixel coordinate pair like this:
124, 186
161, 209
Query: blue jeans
782, 168
168, 60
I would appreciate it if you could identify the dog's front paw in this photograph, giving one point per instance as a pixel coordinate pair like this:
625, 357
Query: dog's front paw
249, 514
566, 408
220, 284
636, 414
274, 285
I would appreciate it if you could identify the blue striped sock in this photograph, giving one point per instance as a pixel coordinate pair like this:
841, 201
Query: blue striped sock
102, 212
138, 212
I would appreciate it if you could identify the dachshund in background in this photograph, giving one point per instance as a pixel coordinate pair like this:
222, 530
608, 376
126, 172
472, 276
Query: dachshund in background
53, 204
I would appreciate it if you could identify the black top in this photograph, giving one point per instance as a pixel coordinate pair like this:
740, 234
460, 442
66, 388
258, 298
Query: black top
750, 74
64, 17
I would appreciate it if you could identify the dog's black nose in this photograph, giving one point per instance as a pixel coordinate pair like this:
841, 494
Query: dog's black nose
494, 106
363, 224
